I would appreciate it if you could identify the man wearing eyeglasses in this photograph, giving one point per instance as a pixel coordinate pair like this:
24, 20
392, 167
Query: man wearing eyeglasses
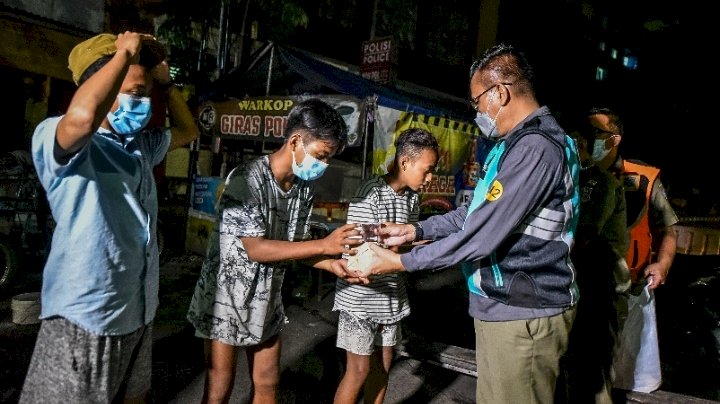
650, 221
512, 240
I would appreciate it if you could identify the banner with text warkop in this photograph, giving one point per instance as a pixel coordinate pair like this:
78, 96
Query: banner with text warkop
265, 118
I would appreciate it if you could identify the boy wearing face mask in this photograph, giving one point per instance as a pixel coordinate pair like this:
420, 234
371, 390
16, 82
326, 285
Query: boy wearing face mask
100, 282
263, 225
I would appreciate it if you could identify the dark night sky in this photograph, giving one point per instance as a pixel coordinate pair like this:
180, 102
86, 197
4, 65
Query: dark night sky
665, 120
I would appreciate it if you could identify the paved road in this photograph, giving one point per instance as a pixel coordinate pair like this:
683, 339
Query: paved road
311, 364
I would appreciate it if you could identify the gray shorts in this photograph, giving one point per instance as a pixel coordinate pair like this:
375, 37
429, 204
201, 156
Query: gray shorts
71, 365
361, 336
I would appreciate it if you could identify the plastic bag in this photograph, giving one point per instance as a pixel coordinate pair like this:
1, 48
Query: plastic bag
637, 360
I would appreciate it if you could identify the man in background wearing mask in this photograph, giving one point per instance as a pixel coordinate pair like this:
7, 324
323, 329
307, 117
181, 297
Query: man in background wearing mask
263, 226
653, 241
602, 276
512, 240
100, 282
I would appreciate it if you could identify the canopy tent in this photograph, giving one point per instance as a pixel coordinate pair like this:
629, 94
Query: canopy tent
253, 100
282, 70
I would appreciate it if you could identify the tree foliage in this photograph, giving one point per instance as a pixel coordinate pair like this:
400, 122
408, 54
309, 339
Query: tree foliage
185, 23
423, 33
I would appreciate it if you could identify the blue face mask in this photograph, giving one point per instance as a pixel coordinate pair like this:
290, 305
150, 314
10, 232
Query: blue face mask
310, 168
132, 115
599, 151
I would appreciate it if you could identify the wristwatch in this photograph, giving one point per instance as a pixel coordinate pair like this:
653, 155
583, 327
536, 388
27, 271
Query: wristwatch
418, 231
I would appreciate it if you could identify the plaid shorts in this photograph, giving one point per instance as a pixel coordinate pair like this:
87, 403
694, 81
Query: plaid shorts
360, 336
71, 365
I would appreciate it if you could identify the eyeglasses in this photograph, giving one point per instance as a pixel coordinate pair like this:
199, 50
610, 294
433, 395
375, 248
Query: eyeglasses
475, 102
601, 133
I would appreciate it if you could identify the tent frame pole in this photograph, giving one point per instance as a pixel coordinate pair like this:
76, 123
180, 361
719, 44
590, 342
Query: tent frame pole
267, 83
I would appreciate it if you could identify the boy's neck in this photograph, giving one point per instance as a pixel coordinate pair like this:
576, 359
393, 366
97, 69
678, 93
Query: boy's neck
281, 167
395, 182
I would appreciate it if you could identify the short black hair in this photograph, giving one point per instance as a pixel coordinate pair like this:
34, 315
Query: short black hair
320, 121
413, 141
93, 68
504, 63
614, 118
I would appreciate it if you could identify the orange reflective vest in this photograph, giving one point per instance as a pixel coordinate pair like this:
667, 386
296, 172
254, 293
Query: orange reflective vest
638, 180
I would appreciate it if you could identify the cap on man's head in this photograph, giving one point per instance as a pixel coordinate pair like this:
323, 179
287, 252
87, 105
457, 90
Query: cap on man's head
91, 50
88, 52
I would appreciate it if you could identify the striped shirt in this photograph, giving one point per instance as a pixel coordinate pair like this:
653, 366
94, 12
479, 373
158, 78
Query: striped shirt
384, 299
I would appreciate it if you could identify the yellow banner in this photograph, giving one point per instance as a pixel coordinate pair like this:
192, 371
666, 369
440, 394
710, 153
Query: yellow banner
455, 139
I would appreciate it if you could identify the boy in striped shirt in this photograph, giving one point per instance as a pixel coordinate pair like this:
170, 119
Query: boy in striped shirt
369, 318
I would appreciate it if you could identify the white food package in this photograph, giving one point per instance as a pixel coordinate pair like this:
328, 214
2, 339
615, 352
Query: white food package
360, 262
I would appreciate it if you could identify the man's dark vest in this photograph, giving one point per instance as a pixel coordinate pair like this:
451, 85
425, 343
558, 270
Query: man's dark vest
638, 180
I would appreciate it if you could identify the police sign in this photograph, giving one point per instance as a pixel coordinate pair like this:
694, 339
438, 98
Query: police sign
377, 59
